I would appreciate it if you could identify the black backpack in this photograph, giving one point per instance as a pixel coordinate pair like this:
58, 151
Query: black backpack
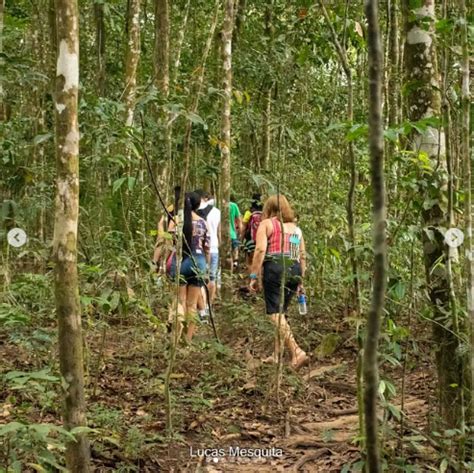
203, 213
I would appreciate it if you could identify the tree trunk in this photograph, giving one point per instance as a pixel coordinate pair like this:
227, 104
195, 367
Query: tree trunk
342, 53
266, 131
65, 231
162, 82
2, 93
162, 46
226, 128
179, 43
196, 95
371, 378
468, 203
239, 20
100, 46
131, 60
424, 101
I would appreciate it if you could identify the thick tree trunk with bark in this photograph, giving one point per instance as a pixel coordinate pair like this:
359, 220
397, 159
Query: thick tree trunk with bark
131, 59
226, 127
424, 101
65, 231
371, 378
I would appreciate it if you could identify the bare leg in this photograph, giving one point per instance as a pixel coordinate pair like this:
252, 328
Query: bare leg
298, 356
212, 290
191, 309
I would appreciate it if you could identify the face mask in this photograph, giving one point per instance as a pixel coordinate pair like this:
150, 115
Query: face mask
210, 202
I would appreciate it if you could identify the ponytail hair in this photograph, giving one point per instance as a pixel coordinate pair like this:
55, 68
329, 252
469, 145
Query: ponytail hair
192, 200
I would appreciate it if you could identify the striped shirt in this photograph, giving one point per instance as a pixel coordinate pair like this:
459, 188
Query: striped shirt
291, 241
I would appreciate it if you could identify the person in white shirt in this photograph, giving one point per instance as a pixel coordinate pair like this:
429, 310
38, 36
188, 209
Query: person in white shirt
212, 215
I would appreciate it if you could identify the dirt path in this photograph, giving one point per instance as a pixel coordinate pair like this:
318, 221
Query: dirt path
222, 403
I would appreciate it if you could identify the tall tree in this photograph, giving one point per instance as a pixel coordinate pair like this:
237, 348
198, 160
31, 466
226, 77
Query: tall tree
225, 144
65, 231
424, 102
371, 379
131, 59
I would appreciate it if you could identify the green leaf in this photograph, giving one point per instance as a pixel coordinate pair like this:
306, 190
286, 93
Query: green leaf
391, 134
131, 182
118, 184
38, 139
11, 427
443, 466
357, 131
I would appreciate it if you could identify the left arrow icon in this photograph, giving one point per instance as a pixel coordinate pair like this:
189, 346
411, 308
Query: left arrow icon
16, 237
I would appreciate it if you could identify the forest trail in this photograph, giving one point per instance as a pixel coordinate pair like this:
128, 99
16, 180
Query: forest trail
220, 397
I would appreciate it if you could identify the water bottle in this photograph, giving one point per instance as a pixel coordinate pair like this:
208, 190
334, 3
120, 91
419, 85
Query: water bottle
204, 315
303, 309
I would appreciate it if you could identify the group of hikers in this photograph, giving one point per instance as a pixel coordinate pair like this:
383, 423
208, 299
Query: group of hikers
274, 250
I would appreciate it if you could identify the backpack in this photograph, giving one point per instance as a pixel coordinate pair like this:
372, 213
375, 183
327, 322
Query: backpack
203, 213
253, 224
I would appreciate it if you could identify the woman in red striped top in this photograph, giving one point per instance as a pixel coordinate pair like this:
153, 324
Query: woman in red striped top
280, 251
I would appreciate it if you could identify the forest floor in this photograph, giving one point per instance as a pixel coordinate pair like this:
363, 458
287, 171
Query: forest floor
224, 397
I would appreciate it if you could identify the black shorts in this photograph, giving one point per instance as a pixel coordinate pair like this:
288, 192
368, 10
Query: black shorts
272, 274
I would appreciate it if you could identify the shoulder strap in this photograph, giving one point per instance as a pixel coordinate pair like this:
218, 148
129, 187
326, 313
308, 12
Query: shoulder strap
205, 211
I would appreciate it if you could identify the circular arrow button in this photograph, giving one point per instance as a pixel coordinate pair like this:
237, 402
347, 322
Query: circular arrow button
17, 237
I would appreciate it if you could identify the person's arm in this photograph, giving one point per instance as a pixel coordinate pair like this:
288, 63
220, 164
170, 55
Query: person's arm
159, 241
207, 244
264, 231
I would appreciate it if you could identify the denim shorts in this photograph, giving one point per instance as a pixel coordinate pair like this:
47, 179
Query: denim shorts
192, 271
213, 266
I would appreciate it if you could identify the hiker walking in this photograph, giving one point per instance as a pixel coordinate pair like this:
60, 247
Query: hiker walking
235, 229
165, 246
193, 268
250, 224
279, 254
212, 215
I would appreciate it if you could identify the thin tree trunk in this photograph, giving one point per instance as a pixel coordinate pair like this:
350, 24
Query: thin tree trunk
179, 44
266, 131
2, 61
468, 202
65, 232
100, 46
197, 92
371, 378
393, 88
131, 60
239, 20
424, 101
352, 165
226, 127
162, 82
